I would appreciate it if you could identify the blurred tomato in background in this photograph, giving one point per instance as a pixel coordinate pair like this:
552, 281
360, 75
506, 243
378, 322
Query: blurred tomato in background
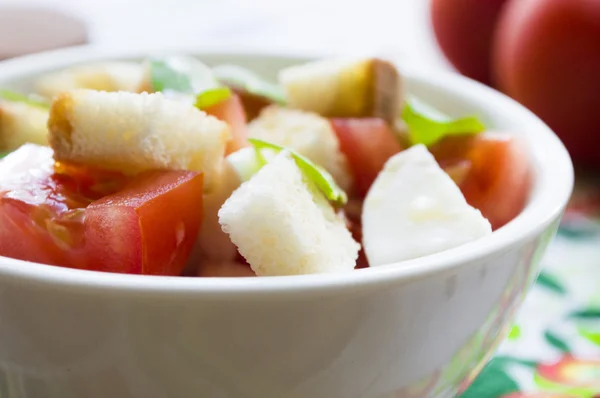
543, 53
464, 30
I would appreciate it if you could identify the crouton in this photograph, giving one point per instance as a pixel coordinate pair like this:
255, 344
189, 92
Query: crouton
22, 123
345, 88
214, 244
107, 76
131, 133
306, 133
283, 225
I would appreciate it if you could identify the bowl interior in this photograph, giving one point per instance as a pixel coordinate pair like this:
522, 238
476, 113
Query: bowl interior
451, 93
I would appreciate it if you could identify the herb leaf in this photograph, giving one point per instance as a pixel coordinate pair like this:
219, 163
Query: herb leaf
427, 125
13, 96
164, 77
321, 178
188, 76
212, 97
249, 81
181, 74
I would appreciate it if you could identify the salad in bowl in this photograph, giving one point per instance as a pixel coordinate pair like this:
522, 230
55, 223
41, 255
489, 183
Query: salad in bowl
171, 167
241, 224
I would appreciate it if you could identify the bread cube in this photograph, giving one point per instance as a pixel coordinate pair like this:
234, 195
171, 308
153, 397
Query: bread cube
22, 123
345, 88
306, 133
283, 225
132, 133
105, 76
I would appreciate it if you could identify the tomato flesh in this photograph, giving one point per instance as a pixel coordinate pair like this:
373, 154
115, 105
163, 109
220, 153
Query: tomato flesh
496, 174
159, 209
232, 112
367, 143
142, 225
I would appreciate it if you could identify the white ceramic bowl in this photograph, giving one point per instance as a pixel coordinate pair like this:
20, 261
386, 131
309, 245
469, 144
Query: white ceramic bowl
415, 329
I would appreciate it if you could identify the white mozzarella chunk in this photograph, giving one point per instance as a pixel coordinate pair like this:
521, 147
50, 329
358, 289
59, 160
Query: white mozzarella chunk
414, 209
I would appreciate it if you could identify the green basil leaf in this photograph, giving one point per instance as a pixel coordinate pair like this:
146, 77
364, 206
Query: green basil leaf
212, 97
164, 77
189, 77
427, 125
321, 178
33, 100
247, 80
181, 74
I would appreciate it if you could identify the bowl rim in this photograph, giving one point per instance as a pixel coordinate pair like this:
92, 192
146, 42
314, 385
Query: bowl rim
554, 184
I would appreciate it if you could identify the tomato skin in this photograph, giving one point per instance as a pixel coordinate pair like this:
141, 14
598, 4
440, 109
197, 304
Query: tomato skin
547, 57
29, 197
464, 30
499, 176
45, 218
159, 209
232, 111
23, 239
367, 143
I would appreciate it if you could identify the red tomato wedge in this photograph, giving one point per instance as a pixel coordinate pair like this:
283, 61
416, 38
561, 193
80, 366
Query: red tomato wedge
232, 111
160, 210
142, 225
498, 177
367, 143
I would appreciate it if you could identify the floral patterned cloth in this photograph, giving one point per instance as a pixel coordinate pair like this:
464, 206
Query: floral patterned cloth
553, 350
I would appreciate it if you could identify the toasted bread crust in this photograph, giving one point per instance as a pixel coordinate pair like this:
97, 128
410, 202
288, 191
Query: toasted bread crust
369, 87
387, 91
60, 127
131, 133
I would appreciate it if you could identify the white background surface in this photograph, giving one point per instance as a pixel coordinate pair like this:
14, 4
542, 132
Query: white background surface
397, 28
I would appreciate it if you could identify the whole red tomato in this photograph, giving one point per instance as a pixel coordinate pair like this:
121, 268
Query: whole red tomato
547, 56
464, 30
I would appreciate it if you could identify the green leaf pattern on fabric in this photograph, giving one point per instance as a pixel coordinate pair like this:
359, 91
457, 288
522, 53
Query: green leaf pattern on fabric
493, 382
553, 349
556, 342
588, 313
515, 333
550, 282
